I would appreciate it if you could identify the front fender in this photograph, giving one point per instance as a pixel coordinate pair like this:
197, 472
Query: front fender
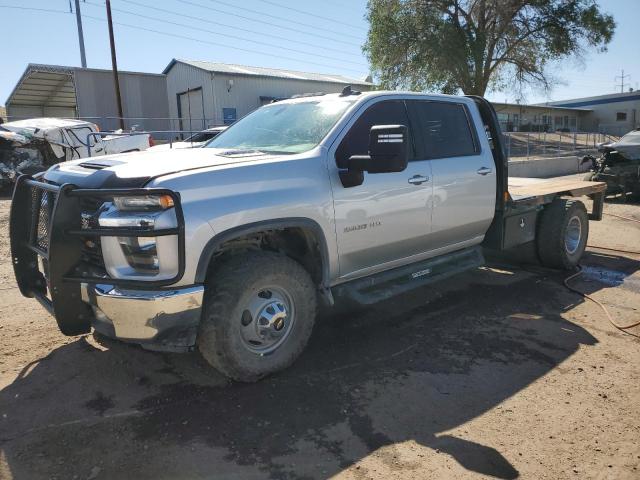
273, 224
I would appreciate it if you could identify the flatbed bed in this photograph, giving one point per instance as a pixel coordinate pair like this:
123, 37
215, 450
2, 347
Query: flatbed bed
524, 189
540, 191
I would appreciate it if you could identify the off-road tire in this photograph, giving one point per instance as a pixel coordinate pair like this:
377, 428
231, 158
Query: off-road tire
552, 228
227, 288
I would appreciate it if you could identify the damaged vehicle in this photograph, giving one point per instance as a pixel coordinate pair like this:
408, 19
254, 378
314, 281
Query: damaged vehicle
347, 198
618, 165
33, 145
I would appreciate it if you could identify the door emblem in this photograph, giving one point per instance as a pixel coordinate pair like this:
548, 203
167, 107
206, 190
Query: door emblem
362, 226
421, 273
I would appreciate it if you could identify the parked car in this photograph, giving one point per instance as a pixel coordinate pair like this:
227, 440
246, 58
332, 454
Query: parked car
343, 197
618, 165
196, 140
29, 146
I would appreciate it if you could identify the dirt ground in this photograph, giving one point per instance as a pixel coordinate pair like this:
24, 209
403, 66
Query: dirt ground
500, 372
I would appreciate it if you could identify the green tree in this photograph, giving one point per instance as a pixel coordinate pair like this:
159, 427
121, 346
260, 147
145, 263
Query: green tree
475, 45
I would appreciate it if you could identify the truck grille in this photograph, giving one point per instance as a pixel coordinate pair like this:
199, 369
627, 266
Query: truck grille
91, 246
42, 208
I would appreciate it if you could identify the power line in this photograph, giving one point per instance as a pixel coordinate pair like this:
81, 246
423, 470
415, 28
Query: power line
46, 10
262, 22
308, 25
212, 32
342, 4
314, 15
211, 22
231, 47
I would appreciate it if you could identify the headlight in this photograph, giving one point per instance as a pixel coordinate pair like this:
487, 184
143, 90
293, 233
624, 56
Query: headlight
139, 257
143, 203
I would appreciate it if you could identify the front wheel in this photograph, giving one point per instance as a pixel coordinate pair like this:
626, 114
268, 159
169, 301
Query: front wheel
562, 234
259, 311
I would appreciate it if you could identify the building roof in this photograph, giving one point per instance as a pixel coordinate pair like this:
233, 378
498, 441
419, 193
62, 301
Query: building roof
597, 100
539, 105
267, 72
44, 84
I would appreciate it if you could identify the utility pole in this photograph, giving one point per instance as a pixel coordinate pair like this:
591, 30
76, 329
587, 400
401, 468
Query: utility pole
622, 83
83, 58
114, 64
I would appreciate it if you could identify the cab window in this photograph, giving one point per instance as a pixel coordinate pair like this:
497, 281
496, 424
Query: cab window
442, 129
356, 141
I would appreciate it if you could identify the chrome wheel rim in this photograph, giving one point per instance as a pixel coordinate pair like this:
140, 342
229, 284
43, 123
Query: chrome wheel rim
267, 320
573, 235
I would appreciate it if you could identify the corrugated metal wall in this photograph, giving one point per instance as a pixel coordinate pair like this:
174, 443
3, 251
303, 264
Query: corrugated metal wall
144, 99
182, 78
20, 112
244, 95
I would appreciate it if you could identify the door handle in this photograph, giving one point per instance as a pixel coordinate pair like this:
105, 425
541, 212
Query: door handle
484, 171
418, 180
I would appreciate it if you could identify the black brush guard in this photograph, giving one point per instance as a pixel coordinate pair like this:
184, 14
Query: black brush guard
47, 235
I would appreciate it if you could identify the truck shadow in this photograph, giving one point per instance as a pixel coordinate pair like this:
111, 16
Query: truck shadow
407, 370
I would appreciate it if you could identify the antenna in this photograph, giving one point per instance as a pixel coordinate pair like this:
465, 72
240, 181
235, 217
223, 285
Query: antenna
622, 82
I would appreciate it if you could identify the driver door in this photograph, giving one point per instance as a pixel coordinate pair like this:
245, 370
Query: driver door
385, 221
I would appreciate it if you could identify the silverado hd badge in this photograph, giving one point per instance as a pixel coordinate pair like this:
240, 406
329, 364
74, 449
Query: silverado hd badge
362, 226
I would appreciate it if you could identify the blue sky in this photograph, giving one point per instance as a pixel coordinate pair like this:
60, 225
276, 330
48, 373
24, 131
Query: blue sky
319, 36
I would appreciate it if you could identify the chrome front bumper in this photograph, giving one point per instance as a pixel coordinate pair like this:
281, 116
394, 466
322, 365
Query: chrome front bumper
156, 319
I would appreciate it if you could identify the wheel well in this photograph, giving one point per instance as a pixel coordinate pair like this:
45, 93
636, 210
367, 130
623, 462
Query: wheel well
299, 243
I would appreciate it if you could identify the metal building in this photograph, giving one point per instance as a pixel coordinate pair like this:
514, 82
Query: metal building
203, 94
516, 117
89, 93
615, 114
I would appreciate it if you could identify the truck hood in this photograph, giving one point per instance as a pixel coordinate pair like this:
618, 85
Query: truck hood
130, 170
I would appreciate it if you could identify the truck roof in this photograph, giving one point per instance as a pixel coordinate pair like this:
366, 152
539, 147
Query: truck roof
45, 123
367, 95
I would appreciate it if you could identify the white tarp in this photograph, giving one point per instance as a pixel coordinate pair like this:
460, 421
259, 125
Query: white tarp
628, 146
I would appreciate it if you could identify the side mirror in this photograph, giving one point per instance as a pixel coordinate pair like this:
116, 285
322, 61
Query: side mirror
388, 153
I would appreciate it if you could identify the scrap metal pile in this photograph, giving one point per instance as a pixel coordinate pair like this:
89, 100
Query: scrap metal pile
618, 165
31, 146
23, 153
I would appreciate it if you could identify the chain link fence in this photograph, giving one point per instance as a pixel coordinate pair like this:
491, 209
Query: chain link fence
166, 128
537, 145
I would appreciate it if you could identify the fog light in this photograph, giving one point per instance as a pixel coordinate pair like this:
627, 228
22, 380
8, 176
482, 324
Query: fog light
141, 253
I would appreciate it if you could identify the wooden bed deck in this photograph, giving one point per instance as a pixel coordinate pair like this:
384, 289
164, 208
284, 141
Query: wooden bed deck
527, 189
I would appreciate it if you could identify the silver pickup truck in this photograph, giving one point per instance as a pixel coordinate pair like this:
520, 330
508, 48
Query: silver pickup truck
328, 198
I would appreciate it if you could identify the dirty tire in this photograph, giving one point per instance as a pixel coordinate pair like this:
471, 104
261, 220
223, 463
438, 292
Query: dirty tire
556, 248
229, 291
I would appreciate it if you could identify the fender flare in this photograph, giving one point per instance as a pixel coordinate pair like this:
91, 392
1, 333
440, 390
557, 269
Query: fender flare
274, 224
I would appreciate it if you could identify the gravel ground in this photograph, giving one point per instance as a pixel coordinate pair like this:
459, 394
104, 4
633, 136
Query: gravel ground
500, 372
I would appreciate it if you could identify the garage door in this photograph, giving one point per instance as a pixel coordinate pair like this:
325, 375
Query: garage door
191, 110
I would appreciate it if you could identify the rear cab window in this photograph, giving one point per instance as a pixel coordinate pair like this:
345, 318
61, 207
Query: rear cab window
442, 129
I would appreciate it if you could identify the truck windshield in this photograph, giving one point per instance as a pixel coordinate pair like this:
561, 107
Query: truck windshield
283, 128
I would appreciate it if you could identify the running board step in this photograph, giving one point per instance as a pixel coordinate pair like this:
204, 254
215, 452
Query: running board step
384, 285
